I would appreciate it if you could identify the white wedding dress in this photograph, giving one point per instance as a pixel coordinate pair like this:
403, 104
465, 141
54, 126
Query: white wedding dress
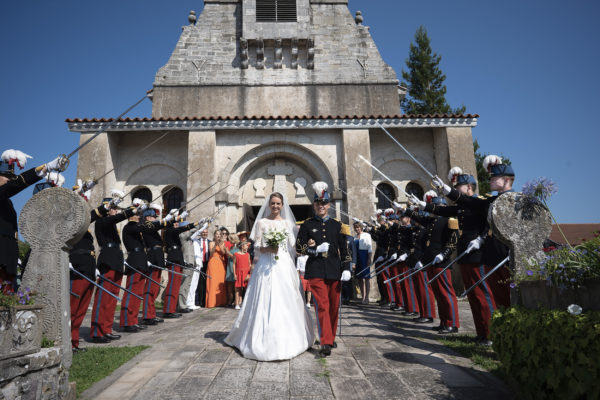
273, 323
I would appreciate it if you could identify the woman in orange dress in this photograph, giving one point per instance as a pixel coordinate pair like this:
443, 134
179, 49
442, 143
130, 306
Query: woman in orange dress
216, 293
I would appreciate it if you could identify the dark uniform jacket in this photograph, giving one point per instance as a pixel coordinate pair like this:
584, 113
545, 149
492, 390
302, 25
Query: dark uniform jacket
9, 247
471, 223
494, 251
134, 244
439, 235
338, 257
154, 243
392, 233
173, 243
405, 239
82, 256
381, 239
107, 236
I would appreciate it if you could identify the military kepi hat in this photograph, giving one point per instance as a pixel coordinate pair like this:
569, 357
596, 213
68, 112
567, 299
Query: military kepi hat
321, 192
495, 167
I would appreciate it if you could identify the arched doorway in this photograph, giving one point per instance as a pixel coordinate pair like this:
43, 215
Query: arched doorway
385, 193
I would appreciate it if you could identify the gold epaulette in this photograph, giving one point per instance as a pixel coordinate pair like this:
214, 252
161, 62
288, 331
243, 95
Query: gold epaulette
489, 194
481, 197
345, 230
453, 224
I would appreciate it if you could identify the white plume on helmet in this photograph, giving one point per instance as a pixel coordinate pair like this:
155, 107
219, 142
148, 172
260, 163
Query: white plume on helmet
429, 194
490, 161
389, 211
156, 207
379, 211
12, 156
319, 188
137, 202
117, 193
55, 178
454, 173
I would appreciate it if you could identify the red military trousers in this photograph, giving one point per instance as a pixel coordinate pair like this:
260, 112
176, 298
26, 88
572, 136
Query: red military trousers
79, 306
326, 295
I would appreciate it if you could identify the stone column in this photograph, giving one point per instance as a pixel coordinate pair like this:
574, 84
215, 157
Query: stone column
201, 172
453, 147
50, 222
360, 192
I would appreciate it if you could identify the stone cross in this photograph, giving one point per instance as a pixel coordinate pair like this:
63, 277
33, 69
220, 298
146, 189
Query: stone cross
522, 225
51, 221
280, 171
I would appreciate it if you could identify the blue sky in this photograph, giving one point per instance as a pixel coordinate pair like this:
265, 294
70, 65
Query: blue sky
529, 68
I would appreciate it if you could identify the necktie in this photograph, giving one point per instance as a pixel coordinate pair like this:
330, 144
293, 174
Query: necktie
203, 249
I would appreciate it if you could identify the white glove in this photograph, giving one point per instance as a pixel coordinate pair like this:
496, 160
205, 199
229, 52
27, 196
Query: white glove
203, 227
115, 201
399, 206
438, 183
174, 212
184, 215
346, 276
438, 259
416, 201
87, 194
403, 257
168, 218
97, 273
418, 265
58, 164
149, 263
202, 220
474, 244
394, 256
323, 247
373, 219
356, 219
71, 266
380, 258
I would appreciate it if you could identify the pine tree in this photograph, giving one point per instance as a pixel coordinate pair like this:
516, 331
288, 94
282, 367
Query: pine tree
425, 80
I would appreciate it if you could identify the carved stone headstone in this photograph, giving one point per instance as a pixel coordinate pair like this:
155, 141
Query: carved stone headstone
51, 221
522, 225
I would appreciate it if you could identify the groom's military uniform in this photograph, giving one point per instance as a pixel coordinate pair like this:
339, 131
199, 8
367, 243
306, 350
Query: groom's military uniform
324, 270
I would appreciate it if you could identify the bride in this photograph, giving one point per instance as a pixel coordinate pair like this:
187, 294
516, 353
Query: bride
273, 323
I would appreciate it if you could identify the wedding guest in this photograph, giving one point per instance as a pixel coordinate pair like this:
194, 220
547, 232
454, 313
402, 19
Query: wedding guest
232, 246
216, 293
202, 254
362, 247
241, 270
301, 268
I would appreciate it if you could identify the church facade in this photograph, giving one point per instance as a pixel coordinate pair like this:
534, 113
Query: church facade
272, 95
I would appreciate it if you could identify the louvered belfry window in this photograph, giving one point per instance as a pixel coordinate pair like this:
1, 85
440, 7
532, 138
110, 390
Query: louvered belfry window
276, 11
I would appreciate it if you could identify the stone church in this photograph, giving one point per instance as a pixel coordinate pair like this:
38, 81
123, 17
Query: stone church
272, 95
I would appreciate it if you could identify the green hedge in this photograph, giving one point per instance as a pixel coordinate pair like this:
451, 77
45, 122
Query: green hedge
549, 354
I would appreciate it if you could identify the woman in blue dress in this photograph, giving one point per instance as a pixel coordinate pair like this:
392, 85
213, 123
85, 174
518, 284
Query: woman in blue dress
362, 247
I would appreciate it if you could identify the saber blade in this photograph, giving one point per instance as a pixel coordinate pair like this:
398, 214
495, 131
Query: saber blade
94, 283
486, 276
448, 266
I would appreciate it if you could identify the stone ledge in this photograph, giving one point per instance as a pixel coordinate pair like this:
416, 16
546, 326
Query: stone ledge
45, 358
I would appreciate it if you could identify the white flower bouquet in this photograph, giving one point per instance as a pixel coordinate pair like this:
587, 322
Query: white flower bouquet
275, 238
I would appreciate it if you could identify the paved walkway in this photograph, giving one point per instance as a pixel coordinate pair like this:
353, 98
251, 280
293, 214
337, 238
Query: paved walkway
380, 355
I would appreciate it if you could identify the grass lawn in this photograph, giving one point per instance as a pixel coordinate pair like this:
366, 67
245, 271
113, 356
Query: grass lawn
97, 363
480, 355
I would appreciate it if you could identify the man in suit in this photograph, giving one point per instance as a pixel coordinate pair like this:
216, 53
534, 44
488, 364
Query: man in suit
189, 282
202, 259
329, 261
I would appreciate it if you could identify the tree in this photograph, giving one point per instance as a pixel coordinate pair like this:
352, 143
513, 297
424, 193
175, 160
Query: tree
425, 80
483, 176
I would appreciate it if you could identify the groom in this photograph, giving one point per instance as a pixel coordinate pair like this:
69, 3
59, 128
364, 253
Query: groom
328, 262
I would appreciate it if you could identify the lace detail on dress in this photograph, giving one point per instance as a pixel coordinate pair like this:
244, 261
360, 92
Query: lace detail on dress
264, 224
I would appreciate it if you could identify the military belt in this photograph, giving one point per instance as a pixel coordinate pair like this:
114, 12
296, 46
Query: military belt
174, 247
322, 254
137, 250
110, 244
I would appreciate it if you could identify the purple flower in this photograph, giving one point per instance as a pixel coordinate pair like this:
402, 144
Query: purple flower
540, 188
513, 285
529, 272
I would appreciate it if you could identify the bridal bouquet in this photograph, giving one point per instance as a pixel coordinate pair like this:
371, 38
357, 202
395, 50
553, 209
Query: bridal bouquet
274, 238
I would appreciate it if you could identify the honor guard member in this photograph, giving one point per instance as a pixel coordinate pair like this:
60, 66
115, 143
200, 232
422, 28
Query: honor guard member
471, 223
175, 261
396, 302
82, 258
406, 237
425, 296
381, 240
328, 262
10, 185
111, 268
156, 256
496, 287
136, 264
441, 242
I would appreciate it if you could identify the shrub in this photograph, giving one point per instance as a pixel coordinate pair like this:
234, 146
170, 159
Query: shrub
549, 354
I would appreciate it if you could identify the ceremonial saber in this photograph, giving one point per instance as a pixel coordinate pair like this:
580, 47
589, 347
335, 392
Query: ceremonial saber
371, 183
198, 195
464, 253
187, 266
383, 268
368, 267
144, 275
121, 287
165, 269
486, 276
208, 198
385, 176
104, 128
405, 150
96, 180
74, 294
415, 272
94, 283
397, 276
